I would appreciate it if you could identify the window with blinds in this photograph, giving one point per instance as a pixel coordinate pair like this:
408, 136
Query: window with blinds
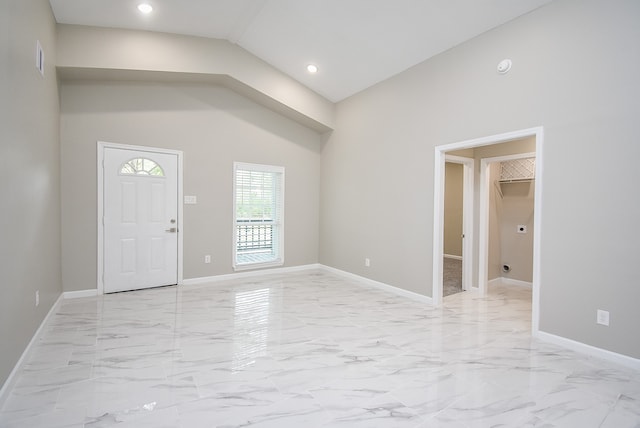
258, 210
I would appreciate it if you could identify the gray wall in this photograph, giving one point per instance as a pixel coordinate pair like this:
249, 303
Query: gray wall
453, 195
377, 166
106, 51
29, 176
214, 127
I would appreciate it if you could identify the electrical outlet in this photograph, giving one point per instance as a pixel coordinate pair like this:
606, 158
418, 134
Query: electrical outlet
207, 258
37, 297
602, 317
367, 262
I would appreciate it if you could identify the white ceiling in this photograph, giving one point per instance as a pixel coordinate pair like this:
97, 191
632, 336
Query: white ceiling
354, 43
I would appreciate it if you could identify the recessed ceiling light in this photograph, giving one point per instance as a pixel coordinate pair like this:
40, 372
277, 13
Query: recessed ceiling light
145, 8
311, 68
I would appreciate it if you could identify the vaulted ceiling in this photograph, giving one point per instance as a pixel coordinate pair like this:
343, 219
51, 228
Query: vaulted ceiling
354, 43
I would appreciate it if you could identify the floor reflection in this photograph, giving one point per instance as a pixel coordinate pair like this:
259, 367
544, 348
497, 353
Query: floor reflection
251, 326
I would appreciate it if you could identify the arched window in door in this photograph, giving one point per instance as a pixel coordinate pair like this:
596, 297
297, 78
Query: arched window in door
141, 166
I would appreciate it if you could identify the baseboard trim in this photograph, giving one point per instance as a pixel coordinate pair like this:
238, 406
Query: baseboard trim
248, 274
79, 294
592, 351
451, 256
379, 285
316, 266
517, 282
494, 281
9, 383
509, 281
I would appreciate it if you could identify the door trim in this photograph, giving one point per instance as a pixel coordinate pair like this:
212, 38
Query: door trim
101, 146
438, 214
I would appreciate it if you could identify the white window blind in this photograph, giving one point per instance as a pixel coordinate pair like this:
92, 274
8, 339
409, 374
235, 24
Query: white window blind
258, 215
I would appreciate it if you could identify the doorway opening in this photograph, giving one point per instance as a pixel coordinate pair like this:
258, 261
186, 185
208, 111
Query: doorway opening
506, 218
478, 247
458, 224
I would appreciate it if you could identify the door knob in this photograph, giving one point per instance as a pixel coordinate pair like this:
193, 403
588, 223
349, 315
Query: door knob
172, 230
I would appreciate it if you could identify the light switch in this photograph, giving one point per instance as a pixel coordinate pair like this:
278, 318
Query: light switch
190, 200
602, 317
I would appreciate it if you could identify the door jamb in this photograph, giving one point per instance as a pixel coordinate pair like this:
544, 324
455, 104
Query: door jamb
101, 145
438, 215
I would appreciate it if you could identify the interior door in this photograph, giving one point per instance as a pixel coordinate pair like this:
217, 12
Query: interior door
140, 219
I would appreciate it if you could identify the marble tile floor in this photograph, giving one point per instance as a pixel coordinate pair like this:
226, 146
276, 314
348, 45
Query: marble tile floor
309, 349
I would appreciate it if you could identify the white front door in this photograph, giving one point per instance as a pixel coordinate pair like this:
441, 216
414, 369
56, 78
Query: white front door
140, 219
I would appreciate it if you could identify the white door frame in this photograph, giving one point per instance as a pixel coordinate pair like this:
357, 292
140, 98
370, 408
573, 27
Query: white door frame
468, 165
101, 147
438, 215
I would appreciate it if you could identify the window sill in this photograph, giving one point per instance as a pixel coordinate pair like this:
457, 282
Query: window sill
251, 266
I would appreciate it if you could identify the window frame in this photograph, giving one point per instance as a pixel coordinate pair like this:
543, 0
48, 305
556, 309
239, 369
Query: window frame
277, 222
